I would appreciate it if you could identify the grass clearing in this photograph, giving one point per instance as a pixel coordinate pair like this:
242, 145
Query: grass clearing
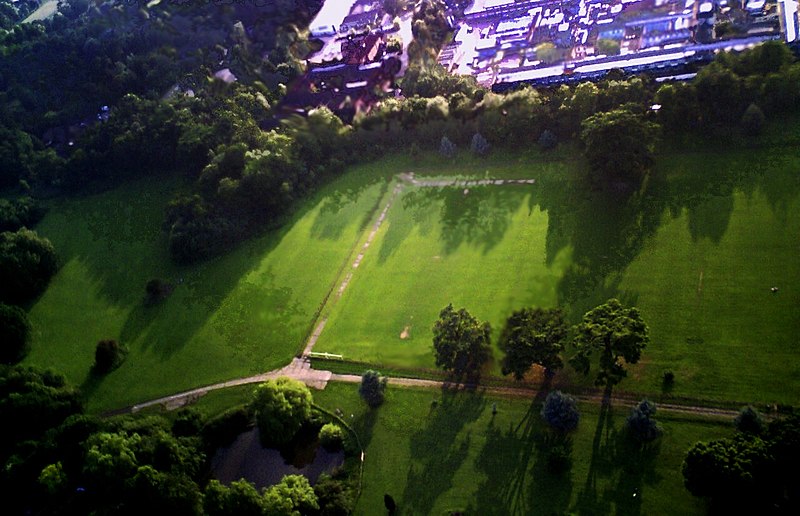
456, 456
237, 315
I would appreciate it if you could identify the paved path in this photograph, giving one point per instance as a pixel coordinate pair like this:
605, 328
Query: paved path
300, 369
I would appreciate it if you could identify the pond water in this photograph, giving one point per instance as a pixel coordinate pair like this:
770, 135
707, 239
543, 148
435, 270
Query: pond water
246, 458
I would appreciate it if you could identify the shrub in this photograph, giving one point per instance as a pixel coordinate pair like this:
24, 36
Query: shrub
331, 437
373, 387
640, 424
479, 146
560, 411
749, 421
447, 148
547, 140
108, 355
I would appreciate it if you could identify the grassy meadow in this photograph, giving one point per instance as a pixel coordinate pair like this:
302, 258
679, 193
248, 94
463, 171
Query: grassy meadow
456, 456
698, 252
244, 313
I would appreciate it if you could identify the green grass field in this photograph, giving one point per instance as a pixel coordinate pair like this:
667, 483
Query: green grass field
697, 253
733, 216
240, 314
456, 456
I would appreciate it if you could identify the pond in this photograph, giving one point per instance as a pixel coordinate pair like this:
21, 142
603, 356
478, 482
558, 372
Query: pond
246, 458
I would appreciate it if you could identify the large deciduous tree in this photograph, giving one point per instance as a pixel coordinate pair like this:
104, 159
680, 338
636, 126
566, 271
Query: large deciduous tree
616, 334
292, 495
727, 467
27, 262
533, 336
460, 342
619, 146
281, 406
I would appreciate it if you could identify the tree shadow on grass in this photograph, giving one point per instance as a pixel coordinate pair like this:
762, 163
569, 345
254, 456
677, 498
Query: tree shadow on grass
480, 218
624, 464
164, 328
519, 479
336, 198
439, 449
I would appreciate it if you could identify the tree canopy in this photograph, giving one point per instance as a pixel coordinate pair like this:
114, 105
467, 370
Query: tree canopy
14, 332
460, 342
281, 407
533, 336
619, 146
617, 335
640, 423
560, 411
373, 388
27, 262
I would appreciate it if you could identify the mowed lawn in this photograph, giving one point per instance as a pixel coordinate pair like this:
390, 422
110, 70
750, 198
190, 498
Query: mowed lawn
454, 455
704, 284
483, 250
698, 255
237, 315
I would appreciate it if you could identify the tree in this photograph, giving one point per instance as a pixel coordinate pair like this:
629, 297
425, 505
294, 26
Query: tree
547, 140
547, 52
331, 436
372, 388
27, 262
14, 332
293, 495
281, 407
479, 145
333, 496
640, 424
609, 47
239, 499
613, 332
732, 469
749, 421
108, 354
619, 146
533, 336
447, 148
395, 7
460, 342
560, 411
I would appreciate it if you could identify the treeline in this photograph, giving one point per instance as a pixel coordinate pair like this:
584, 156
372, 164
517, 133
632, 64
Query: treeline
245, 178
27, 262
753, 472
57, 460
